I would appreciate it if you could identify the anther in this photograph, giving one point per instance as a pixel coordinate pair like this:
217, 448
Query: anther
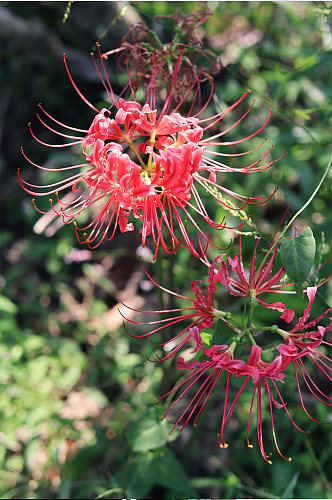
50, 200
250, 446
269, 462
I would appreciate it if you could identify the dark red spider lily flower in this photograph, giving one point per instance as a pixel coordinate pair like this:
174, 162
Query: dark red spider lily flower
258, 282
202, 314
146, 163
264, 376
204, 309
206, 373
301, 344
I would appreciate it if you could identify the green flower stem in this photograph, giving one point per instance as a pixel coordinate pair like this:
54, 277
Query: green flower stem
310, 199
298, 213
251, 338
159, 280
133, 147
244, 310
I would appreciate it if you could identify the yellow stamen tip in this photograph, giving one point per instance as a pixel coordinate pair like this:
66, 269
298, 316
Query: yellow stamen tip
75, 223
269, 462
250, 446
290, 459
33, 200
50, 200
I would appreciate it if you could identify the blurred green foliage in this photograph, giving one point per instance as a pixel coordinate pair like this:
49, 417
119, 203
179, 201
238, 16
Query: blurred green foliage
78, 410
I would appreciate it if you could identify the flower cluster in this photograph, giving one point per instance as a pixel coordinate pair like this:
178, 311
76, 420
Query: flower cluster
149, 164
240, 355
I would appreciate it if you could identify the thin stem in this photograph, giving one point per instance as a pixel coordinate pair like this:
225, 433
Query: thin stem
298, 213
132, 146
159, 279
310, 199
318, 466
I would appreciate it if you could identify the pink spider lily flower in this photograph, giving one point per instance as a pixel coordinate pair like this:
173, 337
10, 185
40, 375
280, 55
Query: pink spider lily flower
202, 314
147, 164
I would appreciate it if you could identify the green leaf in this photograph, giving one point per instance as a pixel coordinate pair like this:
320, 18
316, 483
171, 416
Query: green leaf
221, 333
149, 432
150, 468
7, 305
297, 255
136, 478
170, 473
288, 493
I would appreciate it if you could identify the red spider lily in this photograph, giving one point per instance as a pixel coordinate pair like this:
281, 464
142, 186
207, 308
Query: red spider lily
300, 344
264, 376
256, 283
221, 359
204, 309
201, 315
147, 164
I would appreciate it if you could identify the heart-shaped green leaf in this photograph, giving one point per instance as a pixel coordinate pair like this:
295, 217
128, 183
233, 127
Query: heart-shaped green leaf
297, 255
